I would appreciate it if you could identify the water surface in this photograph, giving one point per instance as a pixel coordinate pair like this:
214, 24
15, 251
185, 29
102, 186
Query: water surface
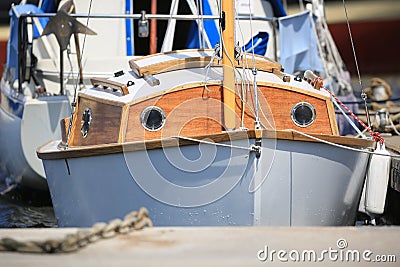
22, 207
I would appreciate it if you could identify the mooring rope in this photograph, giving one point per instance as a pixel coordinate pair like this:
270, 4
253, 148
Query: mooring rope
377, 137
342, 146
135, 220
251, 148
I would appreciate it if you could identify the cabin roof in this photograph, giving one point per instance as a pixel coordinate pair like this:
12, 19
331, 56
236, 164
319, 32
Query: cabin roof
163, 68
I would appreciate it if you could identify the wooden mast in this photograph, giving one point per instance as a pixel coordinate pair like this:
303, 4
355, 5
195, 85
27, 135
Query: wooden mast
228, 47
153, 28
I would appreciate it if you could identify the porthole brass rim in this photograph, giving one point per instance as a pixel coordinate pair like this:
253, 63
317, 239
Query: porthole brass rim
303, 104
143, 118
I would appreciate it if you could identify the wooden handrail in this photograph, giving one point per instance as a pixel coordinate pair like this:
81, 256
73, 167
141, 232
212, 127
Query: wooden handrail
115, 86
176, 60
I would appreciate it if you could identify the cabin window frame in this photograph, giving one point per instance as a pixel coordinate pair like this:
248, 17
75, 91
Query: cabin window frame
310, 120
145, 114
87, 117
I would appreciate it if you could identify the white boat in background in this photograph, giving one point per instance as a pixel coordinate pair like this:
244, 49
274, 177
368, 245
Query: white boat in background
33, 99
207, 138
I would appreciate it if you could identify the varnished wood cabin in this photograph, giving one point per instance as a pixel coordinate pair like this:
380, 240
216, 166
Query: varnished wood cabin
189, 108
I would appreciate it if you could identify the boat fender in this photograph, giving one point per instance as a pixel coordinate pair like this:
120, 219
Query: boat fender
377, 180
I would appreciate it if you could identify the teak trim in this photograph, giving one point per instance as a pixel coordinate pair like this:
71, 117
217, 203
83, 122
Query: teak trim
124, 123
98, 150
261, 63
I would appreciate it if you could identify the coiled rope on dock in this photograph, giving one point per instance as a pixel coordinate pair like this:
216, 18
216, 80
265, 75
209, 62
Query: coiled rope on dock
135, 220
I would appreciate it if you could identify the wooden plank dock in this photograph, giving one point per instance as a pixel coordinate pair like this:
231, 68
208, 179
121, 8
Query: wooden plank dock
220, 246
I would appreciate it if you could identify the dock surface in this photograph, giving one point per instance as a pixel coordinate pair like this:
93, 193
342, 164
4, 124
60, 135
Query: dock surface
220, 246
393, 142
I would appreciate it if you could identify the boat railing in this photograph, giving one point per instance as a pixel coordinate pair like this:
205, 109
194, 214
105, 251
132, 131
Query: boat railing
148, 16
26, 20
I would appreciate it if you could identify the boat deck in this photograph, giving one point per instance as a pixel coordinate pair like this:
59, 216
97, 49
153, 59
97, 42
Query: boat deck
219, 246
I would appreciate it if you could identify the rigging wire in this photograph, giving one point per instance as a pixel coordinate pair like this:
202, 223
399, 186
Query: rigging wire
363, 94
199, 26
245, 84
73, 104
254, 70
247, 81
71, 73
216, 54
203, 31
352, 45
252, 37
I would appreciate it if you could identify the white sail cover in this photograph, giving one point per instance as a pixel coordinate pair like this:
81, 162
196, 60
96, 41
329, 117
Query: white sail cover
298, 44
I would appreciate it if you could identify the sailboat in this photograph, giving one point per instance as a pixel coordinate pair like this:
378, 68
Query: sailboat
37, 87
206, 137
40, 81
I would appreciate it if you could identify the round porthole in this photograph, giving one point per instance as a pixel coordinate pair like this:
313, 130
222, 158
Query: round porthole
86, 120
303, 114
152, 118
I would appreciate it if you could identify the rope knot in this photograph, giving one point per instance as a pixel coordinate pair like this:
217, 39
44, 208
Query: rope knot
318, 82
377, 137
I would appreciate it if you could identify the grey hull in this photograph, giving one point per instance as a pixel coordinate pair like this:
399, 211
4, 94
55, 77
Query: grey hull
292, 183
